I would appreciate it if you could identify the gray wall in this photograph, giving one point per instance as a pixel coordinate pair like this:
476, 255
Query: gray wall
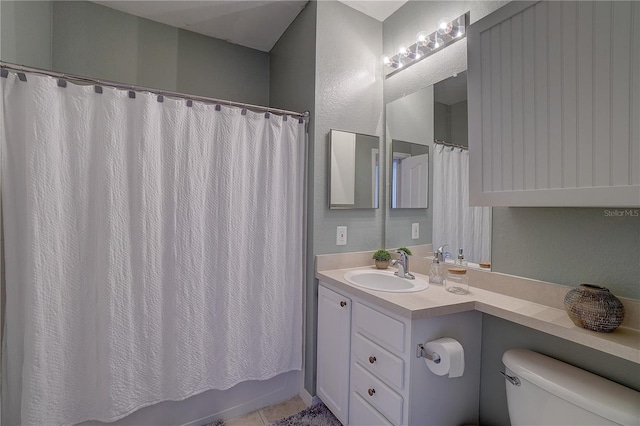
80, 37
459, 123
26, 33
442, 121
569, 246
348, 97
292, 86
561, 245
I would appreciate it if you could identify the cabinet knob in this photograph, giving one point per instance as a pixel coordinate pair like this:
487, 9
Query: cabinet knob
372, 359
371, 392
343, 303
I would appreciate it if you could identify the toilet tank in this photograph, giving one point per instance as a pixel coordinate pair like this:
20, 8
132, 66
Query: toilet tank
552, 392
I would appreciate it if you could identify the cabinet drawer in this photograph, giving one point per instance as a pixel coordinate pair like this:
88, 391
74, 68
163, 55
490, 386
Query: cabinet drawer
378, 360
382, 397
362, 414
379, 327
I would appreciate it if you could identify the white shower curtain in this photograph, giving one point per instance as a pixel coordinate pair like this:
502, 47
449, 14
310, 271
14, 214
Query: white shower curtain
454, 222
153, 250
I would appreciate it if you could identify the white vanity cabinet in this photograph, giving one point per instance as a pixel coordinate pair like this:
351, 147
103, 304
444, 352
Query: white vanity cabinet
334, 337
385, 383
554, 105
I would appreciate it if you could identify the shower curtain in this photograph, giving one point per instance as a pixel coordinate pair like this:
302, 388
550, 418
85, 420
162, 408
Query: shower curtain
153, 249
454, 222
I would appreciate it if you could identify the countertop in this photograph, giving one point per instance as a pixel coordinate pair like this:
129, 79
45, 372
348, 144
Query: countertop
624, 342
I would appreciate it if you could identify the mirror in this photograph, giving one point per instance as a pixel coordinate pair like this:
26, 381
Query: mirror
409, 175
354, 169
436, 117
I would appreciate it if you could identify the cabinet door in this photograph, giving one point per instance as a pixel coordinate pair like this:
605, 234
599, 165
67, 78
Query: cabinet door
334, 335
554, 101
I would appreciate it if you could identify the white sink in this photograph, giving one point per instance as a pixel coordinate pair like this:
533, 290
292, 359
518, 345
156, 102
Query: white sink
385, 281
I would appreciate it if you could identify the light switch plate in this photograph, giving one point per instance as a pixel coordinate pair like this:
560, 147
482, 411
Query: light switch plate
415, 231
341, 236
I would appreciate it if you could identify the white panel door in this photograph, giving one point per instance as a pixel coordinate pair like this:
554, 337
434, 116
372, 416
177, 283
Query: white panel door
414, 189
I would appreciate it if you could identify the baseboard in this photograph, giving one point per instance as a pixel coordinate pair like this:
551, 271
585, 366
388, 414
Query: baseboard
308, 399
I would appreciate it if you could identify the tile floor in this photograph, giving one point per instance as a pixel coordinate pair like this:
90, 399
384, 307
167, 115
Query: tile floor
269, 414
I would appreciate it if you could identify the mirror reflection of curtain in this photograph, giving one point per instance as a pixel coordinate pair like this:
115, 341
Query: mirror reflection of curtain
454, 222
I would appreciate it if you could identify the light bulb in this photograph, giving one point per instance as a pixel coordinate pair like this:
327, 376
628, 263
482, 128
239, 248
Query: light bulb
386, 60
402, 50
444, 26
421, 37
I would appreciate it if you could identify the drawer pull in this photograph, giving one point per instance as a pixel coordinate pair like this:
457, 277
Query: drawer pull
343, 303
372, 359
371, 391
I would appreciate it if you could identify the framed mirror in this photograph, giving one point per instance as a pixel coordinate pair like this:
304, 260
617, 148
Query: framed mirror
354, 168
409, 175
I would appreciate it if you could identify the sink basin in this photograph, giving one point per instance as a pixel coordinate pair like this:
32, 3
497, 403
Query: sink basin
384, 281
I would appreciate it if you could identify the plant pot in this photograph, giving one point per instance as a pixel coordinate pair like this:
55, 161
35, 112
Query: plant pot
594, 308
382, 264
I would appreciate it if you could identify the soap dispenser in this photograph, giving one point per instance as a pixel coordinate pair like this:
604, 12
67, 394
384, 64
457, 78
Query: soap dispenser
436, 271
460, 261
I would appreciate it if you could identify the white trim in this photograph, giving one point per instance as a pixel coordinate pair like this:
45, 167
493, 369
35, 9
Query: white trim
308, 399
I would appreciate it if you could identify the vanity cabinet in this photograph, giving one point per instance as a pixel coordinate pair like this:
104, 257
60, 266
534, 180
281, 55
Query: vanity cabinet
554, 101
371, 375
334, 340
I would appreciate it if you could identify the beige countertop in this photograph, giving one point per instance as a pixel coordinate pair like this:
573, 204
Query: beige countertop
624, 342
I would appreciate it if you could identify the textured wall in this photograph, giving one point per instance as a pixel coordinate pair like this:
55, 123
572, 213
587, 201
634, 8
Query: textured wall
96, 41
348, 97
292, 86
26, 33
569, 246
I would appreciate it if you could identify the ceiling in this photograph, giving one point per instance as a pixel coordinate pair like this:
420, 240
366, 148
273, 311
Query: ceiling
257, 24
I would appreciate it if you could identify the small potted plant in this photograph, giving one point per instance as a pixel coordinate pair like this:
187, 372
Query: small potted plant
382, 258
406, 250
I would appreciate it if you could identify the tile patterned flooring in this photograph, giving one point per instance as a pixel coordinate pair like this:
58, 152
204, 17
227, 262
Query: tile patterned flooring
268, 414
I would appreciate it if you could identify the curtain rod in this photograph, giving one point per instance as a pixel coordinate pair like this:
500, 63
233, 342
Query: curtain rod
453, 145
89, 80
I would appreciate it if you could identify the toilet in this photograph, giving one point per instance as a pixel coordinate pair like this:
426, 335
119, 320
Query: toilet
545, 391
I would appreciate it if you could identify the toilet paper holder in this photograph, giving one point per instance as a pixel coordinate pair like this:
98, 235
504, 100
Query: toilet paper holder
421, 352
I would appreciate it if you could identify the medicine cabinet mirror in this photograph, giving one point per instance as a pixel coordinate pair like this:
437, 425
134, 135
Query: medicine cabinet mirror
354, 170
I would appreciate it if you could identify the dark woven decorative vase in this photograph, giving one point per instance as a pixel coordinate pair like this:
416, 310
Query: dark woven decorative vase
594, 308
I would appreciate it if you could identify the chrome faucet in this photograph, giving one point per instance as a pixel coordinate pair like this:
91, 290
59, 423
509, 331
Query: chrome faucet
403, 266
442, 254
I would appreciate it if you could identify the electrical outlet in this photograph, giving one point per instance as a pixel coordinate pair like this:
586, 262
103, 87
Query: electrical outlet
341, 236
415, 231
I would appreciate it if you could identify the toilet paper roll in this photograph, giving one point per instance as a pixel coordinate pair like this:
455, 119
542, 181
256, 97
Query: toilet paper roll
451, 357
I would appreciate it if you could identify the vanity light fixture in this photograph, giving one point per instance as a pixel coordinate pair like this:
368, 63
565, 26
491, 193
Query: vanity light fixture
448, 32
